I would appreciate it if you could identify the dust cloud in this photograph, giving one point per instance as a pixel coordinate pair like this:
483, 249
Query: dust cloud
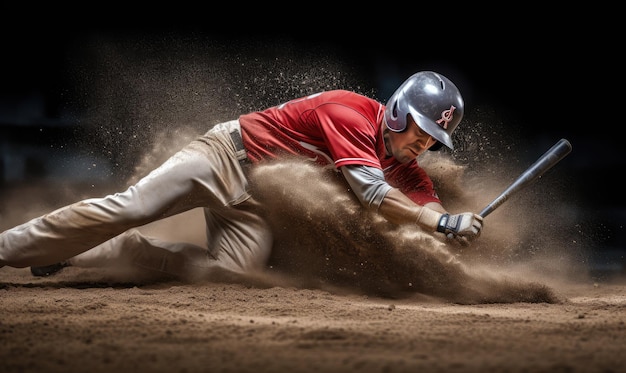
139, 105
324, 237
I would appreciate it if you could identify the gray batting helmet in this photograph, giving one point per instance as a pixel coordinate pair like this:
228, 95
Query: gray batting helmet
433, 101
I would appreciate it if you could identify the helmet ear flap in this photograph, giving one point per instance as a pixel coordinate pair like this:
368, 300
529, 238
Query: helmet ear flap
400, 123
395, 122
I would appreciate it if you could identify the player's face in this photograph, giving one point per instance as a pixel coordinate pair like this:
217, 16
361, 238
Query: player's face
407, 145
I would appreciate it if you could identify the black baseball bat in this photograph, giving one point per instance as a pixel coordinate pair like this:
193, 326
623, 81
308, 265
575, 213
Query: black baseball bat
557, 152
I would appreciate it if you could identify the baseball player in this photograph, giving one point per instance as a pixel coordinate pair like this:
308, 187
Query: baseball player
375, 146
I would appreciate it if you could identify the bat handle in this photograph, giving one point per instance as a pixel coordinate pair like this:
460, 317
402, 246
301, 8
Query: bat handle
493, 205
486, 211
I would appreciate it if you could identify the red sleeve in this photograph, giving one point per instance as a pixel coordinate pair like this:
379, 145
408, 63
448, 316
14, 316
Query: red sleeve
335, 127
349, 135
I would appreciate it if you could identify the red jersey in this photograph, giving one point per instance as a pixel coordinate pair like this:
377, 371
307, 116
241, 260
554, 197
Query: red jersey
334, 127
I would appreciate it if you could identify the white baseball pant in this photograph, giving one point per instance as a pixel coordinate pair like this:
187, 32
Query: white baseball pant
99, 232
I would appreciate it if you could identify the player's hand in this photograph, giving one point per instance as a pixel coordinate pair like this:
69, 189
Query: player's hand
463, 227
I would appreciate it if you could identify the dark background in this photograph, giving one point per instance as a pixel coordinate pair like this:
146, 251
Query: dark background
548, 74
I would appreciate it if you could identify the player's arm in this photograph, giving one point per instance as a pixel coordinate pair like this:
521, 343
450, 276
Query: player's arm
373, 191
370, 187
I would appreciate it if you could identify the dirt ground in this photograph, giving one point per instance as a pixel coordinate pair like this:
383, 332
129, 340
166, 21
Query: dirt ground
78, 321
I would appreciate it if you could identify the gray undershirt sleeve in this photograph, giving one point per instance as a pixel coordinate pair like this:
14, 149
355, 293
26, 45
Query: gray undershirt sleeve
367, 183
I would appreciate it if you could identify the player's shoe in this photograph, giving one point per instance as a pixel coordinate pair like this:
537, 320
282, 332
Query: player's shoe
44, 271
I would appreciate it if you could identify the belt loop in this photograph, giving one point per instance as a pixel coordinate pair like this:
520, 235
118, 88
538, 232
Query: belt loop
240, 151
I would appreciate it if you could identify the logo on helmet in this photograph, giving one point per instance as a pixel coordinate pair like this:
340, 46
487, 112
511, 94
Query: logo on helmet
446, 117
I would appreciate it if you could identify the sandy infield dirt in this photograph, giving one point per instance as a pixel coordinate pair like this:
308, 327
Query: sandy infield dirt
78, 323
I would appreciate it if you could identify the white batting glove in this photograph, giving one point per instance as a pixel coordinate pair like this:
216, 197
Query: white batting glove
463, 227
